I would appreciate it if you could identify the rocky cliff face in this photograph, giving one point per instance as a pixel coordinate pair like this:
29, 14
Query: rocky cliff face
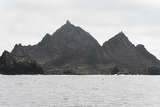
12, 65
121, 49
71, 50
69, 44
147, 57
135, 58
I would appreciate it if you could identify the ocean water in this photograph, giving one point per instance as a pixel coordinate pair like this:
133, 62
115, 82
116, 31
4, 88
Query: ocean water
79, 91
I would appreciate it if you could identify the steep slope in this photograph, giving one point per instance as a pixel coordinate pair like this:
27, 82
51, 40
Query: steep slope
121, 49
125, 54
147, 57
12, 65
71, 50
68, 45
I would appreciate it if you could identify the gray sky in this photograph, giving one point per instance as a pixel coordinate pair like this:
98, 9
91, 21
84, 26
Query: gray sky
27, 21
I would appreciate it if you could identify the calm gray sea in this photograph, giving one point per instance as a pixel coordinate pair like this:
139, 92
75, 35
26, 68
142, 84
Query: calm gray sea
79, 91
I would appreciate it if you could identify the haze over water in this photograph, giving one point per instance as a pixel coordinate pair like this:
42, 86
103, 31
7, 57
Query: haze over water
79, 91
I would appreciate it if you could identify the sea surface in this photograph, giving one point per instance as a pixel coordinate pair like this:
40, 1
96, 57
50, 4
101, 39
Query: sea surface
79, 91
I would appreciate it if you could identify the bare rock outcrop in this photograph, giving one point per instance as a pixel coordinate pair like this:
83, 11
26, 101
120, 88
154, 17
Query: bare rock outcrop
12, 65
72, 50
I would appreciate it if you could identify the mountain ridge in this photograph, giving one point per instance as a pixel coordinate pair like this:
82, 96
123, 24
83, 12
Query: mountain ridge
72, 50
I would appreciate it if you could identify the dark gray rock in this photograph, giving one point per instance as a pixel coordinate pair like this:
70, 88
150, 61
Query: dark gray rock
148, 57
154, 70
68, 45
71, 50
121, 50
126, 55
12, 65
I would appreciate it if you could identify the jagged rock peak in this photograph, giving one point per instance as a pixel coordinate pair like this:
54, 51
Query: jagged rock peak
47, 35
66, 27
6, 58
18, 50
140, 46
18, 45
45, 39
120, 35
119, 38
5, 53
68, 22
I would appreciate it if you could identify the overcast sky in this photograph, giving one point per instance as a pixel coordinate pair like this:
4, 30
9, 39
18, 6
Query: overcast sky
27, 21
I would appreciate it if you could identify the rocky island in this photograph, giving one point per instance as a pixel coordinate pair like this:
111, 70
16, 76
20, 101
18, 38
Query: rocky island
73, 51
